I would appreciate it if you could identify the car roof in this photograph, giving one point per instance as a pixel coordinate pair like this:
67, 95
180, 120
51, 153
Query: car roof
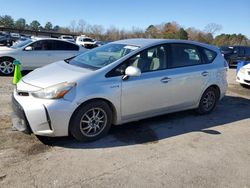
142, 42
37, 39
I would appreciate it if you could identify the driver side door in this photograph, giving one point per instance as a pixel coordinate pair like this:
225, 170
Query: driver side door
38, 56
146, 94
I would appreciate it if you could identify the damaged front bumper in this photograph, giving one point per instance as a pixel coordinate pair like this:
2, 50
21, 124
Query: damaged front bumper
18, 118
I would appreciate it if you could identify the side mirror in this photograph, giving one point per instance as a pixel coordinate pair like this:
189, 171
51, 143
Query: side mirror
131, 71
28, 48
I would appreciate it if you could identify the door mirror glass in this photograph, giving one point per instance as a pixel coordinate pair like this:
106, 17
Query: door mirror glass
28, 48
132, 71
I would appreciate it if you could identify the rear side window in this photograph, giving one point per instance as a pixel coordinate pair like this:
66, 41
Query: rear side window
209, 55
184, 55
62, 45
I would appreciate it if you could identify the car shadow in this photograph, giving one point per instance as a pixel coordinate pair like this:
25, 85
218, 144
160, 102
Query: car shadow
151, 130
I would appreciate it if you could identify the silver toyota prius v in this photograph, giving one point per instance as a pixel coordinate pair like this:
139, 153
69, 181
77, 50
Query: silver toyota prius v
119, 82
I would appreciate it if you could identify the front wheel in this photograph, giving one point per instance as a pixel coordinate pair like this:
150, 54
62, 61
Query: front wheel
6, 67
91, 121
208, 101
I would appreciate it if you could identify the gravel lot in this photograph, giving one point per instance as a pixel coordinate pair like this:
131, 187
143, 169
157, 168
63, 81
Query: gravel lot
174, 150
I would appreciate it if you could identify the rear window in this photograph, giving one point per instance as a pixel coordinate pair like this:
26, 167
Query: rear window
209, 55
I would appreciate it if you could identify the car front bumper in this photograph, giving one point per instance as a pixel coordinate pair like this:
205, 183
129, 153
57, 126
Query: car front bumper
18, 117
41, 116
243, 78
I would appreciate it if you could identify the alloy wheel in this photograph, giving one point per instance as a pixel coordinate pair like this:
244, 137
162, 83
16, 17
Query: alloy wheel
209, 100
93, 122
6, 67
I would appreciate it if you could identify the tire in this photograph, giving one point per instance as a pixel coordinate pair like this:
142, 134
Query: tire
208, 101
6, 66
91, 117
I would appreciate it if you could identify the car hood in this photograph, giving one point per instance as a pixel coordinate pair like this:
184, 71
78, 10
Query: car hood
3, 49
247, 66
55, 73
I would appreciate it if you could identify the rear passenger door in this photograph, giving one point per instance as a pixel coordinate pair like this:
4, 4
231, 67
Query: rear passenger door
188, 75
63, 50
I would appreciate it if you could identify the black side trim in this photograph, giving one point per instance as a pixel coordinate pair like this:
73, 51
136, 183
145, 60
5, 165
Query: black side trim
48, 117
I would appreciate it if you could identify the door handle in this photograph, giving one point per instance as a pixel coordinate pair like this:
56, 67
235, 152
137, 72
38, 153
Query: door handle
165, 80
205, 73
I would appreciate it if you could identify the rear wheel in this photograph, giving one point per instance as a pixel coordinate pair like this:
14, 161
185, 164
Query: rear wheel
208, 101
91, 121
6, 66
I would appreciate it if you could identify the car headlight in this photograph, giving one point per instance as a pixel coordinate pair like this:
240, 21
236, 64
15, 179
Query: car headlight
243, 70
54, 92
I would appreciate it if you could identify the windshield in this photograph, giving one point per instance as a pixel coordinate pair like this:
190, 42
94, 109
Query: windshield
87, 40
102, 56
226, 49
67, 37
21, 44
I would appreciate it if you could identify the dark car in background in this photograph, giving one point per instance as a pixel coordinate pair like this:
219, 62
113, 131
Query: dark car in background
233, 54
5, 38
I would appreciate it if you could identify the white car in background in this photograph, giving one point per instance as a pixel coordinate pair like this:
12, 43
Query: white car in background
86, 42
243, 75
34, 53
67, 38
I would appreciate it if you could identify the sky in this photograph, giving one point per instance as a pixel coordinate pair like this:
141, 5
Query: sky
233, 16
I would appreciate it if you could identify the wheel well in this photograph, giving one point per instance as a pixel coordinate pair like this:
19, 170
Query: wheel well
217, 89
112, 107
7, 57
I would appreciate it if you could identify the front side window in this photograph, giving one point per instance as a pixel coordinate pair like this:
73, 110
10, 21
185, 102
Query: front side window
184, 55
102, 56
42, 45
148, 60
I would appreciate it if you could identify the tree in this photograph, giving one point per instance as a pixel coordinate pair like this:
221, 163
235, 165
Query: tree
182, 34
56, 28
48, 26
72, 26
6, 21
97, 31
170, 30
151, 32
213, 28
231, 39
81, 26
34, 25
20, 23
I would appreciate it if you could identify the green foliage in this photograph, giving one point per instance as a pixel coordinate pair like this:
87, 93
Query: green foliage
56, 28
6, 21
48, 26
182, 34
231, 39
34, 25
20, 23
151, 32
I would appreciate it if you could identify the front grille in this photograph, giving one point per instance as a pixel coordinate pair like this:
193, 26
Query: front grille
247, 81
